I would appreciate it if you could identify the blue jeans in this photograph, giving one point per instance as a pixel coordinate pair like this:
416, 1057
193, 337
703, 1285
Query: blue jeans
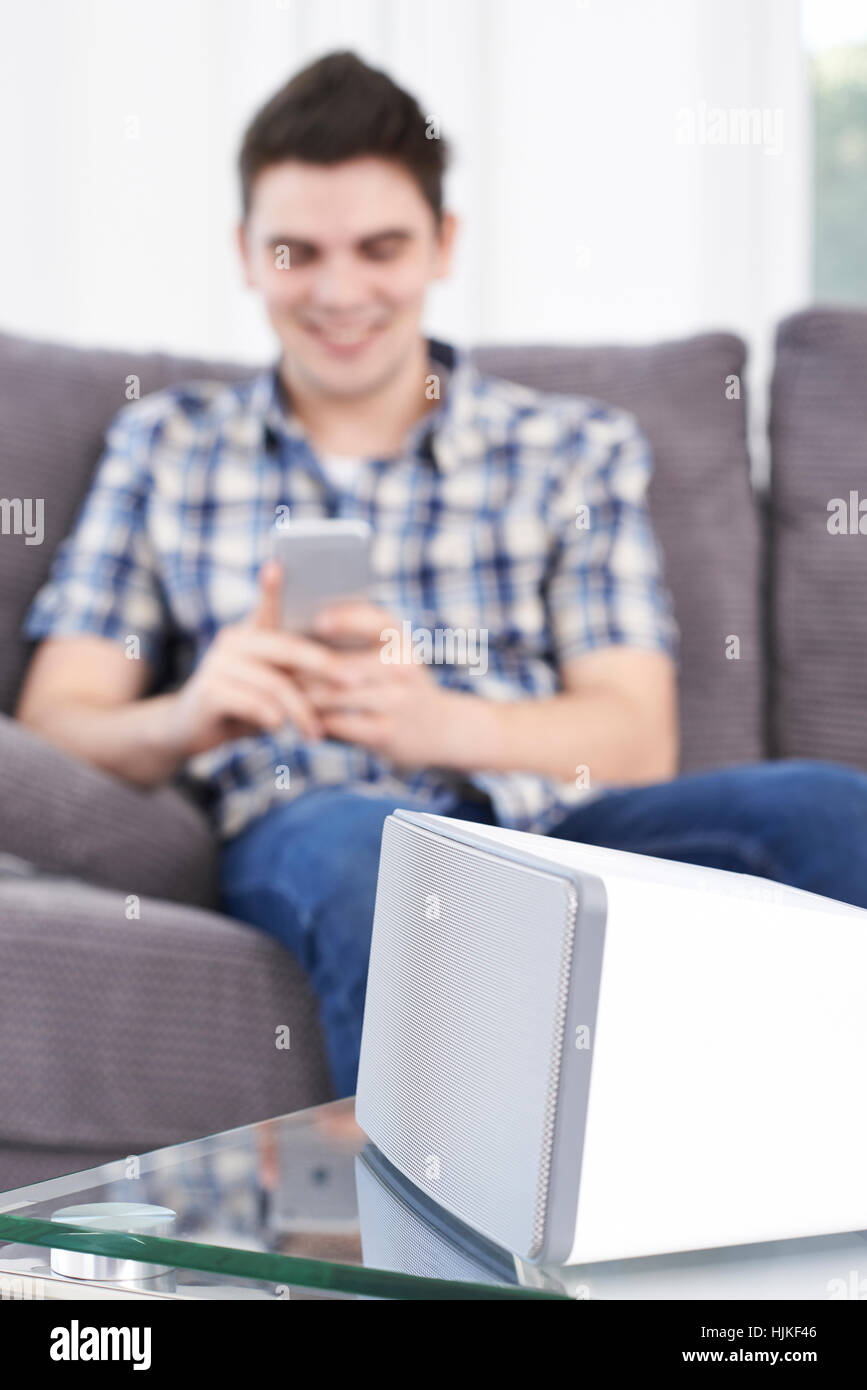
305, 872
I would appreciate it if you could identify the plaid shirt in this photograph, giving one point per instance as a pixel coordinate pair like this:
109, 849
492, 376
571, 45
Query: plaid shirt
509, 512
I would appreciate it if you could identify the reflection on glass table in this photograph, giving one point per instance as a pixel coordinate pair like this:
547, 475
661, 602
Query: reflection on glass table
304, 1207
265, 1211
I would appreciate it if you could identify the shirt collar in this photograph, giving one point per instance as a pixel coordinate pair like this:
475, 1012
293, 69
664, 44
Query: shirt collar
269, 403
448, 434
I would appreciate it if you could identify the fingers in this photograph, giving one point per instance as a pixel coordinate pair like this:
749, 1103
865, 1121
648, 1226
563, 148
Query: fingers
244, 704
355, 669
287, 700
256, 693
370, 730
354, 619
290, 652
325, 699
266, 614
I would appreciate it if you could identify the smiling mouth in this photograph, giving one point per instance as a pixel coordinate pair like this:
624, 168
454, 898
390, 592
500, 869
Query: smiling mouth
346, 338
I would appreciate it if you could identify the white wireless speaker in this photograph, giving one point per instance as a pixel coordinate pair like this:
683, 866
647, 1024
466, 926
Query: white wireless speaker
588, 1055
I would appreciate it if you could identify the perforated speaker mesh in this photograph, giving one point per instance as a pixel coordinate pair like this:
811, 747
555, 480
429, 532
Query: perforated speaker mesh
464, 1025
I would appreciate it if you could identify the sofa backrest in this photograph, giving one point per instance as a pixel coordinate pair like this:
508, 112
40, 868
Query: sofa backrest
56, 402
818, 537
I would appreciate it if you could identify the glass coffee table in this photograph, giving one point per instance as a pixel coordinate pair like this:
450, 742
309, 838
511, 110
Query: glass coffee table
302, 1207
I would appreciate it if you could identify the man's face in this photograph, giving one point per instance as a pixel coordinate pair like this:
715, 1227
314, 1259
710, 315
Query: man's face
363, 247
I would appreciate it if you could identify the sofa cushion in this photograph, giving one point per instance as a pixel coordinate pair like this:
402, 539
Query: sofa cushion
703, 510
818, 682
123, 1034
69, 817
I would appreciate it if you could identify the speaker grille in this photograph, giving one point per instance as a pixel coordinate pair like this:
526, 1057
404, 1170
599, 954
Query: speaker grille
464, 1025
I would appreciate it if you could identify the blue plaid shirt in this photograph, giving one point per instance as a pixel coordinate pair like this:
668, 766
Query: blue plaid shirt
511, 513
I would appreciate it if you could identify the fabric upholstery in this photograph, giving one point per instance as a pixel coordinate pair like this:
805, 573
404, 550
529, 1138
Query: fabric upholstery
818, 577
68, 817
138, 1032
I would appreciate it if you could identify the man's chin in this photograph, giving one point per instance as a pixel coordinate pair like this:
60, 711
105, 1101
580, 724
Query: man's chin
346, 375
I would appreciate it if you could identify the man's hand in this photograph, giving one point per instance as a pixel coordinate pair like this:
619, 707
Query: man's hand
395, 708
247, 681
84, 695
616, 713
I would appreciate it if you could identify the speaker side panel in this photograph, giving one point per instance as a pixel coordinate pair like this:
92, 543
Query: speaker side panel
470, 1082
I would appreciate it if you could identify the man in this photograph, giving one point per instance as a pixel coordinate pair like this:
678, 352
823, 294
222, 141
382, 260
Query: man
495, 510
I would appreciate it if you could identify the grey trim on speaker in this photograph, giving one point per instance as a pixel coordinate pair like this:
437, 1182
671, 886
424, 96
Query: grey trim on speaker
567, 1149
560, 1171
492, 1260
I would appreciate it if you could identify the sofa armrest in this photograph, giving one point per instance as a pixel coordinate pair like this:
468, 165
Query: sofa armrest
124, 1036
71, 818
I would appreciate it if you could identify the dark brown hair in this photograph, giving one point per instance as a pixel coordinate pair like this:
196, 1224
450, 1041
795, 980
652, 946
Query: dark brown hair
336, 109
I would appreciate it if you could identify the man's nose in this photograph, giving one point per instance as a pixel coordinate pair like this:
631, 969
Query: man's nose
337, 284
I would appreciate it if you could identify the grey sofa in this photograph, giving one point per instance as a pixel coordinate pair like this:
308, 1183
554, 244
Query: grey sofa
121, 1032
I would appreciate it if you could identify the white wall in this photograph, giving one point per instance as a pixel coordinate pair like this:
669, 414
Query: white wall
586, 220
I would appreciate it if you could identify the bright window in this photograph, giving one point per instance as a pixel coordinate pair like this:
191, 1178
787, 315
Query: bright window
836, 37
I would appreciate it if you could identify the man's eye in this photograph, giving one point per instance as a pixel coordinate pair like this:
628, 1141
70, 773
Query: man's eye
384, 250
296, 255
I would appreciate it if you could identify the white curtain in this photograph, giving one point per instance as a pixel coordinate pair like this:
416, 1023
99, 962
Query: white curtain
605, 189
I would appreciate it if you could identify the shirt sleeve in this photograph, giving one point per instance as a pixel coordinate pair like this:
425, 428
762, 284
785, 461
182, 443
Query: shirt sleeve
606, 587
104, 579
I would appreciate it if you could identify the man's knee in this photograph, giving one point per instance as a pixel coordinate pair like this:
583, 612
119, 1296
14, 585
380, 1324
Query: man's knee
804, 791
328, 861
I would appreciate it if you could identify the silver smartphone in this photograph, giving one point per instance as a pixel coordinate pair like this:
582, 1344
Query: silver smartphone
323, 561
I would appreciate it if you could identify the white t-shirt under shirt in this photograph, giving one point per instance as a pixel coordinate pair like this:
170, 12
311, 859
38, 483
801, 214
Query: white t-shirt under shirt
341, 469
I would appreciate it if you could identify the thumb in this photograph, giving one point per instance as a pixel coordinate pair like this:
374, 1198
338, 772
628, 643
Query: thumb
267, 610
